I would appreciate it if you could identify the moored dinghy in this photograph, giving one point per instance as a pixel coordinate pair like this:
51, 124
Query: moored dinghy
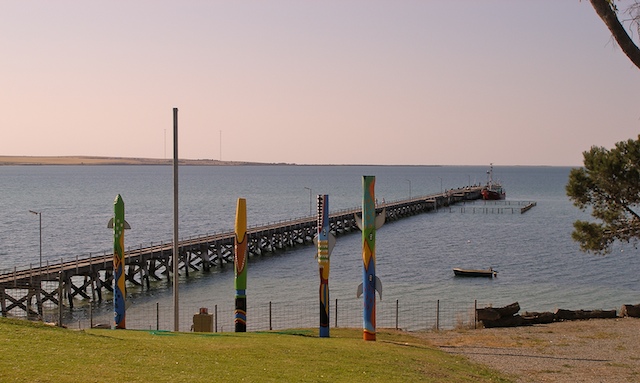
489, 273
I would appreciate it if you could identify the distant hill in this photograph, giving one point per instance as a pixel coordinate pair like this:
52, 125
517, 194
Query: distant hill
89, 160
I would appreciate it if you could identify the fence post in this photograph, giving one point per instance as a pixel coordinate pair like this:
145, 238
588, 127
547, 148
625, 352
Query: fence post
475, 313
397, 304
3, 303
270, 324
157, 316
438, 315
59, 298
336, 316
215, 317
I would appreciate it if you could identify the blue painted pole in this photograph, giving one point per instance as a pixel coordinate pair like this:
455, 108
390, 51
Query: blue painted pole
118, 224
370, 282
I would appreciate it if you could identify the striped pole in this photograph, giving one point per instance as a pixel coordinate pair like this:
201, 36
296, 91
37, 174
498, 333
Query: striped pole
118, 224
240, 266
370, 283
324, 241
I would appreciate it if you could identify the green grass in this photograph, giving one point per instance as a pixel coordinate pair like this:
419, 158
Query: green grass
32, 352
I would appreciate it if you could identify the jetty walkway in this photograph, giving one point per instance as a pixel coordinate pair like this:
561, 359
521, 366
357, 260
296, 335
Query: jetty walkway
25, 291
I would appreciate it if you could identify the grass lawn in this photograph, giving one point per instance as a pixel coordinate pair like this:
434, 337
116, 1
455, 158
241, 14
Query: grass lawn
33, 352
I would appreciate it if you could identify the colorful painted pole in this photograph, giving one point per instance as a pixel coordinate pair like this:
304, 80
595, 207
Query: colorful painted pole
370, 283
240, 266
325, 241
118, 224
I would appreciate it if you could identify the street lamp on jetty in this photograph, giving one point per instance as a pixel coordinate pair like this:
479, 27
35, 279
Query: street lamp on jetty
39, 214
310, 201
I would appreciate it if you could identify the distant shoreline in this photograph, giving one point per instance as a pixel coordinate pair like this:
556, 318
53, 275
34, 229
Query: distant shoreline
96, 160
91, 160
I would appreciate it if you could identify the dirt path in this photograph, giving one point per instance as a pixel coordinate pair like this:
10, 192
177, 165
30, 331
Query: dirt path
597, 350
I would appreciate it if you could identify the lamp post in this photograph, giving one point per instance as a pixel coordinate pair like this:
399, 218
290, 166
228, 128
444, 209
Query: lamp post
39, 214
409, 181
440, 185
310, 201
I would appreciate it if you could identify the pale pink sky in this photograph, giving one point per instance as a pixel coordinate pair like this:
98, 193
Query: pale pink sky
315, 82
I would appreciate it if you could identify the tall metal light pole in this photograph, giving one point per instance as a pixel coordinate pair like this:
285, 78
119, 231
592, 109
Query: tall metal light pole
176, 249
39, 214
310, 201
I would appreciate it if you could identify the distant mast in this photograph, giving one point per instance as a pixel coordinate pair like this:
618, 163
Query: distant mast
490, 173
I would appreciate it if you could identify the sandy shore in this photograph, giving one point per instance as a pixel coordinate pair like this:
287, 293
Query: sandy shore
89, 160
596, 350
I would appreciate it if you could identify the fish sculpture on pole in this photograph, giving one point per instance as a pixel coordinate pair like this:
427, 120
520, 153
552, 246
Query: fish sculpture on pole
325, 241
370, 283
240, 266
118, 224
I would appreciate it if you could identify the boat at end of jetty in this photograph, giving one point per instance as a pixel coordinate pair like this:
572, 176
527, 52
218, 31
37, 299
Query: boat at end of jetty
493, 190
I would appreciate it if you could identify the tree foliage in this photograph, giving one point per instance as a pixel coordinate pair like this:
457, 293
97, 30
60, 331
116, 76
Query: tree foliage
608, 11
609, 185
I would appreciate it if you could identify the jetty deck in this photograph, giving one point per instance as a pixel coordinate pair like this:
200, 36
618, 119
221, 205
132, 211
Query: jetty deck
25, 291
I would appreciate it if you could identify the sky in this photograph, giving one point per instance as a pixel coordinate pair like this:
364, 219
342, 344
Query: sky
396, 82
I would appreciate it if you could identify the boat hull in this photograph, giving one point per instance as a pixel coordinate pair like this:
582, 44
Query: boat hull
490, 273
492, 195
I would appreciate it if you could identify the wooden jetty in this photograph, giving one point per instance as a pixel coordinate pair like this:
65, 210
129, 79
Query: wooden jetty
25, 291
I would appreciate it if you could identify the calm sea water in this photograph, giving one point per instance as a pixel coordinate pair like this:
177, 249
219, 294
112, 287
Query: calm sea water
539, 265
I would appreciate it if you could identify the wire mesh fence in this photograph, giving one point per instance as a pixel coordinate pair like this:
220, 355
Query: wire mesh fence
261, 316
395, 314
